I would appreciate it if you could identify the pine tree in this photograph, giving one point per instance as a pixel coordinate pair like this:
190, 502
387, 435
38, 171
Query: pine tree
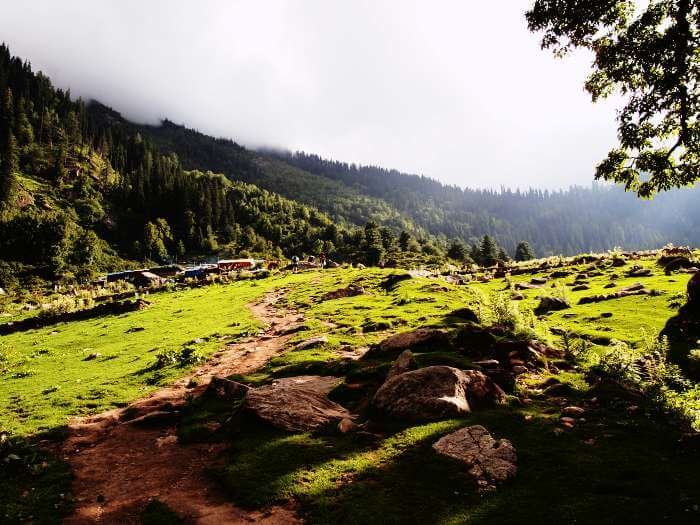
23, 128
404, 240
388, 238
457, 251
374, 249
488, 251
8, 168
523, 252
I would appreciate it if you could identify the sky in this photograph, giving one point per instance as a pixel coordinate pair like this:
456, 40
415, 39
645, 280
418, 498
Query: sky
457, 90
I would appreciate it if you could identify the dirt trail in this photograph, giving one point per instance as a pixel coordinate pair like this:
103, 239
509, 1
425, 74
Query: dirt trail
119, 466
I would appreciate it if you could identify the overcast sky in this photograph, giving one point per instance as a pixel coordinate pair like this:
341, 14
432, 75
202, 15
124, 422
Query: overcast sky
456, 90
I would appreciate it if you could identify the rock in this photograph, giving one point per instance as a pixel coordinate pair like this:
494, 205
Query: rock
580, 287
295, 405
549, 304
677, 264
606, 315
515, 296
465, 314
435, 392
639, 272
572, 411
632, 287
558, 389
93, 355
488, 363
567, 421
519, 369
346, 425
559, 274
527, 286
474, 339
170, 439
351, 291
489, 461
609, 285
419, 340
319, 384
360, 266
539, 281
404, 363
226, 389
310, 343
617, 262
457, 279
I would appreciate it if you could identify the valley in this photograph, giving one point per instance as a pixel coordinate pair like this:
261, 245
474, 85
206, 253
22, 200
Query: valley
320, 324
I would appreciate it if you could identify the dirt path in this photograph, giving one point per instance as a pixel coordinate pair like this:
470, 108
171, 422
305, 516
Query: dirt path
120, 466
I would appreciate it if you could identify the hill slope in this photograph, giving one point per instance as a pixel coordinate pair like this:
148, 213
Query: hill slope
567, 222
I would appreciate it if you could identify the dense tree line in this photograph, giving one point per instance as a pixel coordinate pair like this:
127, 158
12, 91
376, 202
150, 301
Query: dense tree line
566, 221
80, 187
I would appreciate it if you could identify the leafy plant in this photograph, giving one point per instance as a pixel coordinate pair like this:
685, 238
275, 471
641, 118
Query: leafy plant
503, 311
185, 356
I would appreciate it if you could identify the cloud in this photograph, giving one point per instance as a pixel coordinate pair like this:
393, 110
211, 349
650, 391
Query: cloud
459, 91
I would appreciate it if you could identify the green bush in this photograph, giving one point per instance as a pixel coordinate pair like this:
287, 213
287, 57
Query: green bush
182, 357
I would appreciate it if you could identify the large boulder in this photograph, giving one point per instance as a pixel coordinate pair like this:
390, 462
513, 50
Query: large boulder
404, 363
350, 291
474, 339
296, 404
435, 392
419, 340
550, 304
226, 389
489, 461
694, 291
465, 314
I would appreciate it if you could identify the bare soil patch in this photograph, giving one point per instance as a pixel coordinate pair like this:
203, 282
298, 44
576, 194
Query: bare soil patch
121, 464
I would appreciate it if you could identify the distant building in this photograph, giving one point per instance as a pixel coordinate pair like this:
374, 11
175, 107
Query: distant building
126, 275
145, 278
229, 265
168, 270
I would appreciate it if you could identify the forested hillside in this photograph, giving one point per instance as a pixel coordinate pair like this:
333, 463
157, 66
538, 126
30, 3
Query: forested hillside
83, 191
569, 221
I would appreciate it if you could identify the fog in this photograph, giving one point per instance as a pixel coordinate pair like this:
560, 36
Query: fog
456, 90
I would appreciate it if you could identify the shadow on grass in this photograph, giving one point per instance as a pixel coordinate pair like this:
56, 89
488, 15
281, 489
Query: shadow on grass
34, 483
634, 475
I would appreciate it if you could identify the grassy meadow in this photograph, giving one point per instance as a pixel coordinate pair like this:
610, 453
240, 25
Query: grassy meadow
88, 366
628, 462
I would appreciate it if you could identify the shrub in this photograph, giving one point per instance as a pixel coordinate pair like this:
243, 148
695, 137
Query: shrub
503, 311
182, 357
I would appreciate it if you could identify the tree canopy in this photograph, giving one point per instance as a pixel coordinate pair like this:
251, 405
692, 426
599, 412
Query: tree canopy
650, 53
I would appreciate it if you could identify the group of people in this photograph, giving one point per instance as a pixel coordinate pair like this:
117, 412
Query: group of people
312, 259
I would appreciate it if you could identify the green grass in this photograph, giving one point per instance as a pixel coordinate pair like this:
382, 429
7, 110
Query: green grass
46, 378
412, 303
399, 479
629, 314
632, 471
34, 485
